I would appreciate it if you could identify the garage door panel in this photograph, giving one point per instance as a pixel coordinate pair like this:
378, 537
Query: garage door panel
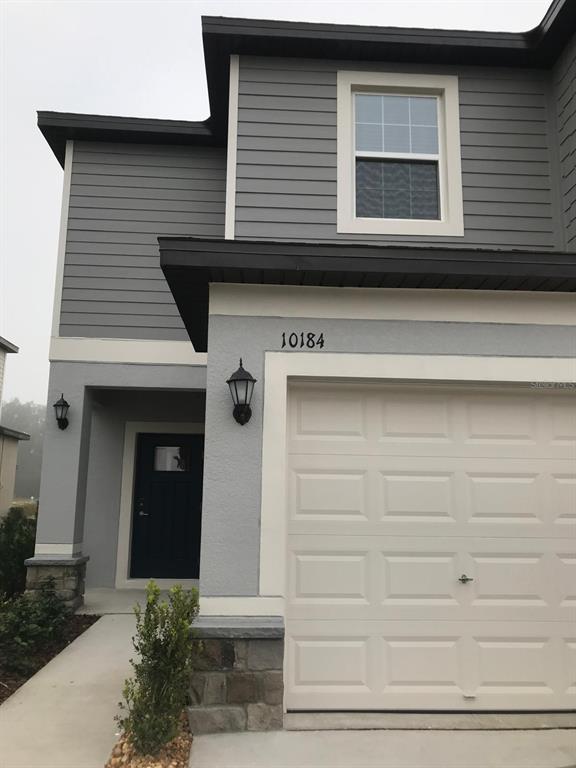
521, 424
452, 496
420, 665
389, 506
405, 578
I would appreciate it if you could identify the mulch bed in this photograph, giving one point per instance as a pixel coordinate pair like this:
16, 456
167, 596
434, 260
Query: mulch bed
10, 682
176, 754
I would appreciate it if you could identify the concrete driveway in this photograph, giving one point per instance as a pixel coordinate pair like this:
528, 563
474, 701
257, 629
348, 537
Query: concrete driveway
387, 749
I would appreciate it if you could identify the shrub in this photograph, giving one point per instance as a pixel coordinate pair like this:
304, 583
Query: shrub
27, 624
17, 534
157, 693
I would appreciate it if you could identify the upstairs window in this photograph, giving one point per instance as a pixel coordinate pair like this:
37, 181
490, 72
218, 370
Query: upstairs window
398, 155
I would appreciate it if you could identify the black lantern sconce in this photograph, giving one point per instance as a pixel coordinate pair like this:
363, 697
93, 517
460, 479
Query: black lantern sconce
61, 408
241, 385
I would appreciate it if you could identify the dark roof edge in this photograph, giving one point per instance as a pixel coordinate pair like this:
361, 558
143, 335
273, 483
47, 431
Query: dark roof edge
171, 244
7, 432
237, 28
58, 127
7, 346
190, 265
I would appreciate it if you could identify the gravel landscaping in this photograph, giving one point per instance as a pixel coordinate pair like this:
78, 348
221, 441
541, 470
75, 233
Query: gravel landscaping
176, 754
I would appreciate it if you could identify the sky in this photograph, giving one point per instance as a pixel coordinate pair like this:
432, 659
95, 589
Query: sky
141, 59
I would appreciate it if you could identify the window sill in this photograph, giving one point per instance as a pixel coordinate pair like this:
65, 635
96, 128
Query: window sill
417, 227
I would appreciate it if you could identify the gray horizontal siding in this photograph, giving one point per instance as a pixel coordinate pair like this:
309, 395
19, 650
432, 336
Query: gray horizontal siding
565, 92
286, 163
122, 198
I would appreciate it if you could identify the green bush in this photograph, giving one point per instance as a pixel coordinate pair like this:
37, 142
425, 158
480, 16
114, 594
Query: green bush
17, 534
157, 693
28, 624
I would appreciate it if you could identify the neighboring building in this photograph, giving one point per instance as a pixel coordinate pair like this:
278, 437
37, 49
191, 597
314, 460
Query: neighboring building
9, 439
382, 223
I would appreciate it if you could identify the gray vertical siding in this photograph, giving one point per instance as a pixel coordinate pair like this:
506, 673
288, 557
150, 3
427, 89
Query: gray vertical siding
286, 164
122, 198
565, 91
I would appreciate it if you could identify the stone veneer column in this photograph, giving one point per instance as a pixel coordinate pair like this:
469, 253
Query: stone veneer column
238, 683
68, 574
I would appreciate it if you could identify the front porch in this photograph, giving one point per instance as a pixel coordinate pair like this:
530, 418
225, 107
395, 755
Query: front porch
121, 486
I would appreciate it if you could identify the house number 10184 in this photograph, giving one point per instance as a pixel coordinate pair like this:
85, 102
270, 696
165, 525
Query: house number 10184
303, 340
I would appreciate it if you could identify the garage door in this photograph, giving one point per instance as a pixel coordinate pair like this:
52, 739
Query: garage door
431, 550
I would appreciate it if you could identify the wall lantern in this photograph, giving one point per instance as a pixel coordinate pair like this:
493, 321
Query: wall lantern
61, 409
241, 385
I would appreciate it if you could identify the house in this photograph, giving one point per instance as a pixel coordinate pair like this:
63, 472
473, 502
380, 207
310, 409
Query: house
9, 439
382, 224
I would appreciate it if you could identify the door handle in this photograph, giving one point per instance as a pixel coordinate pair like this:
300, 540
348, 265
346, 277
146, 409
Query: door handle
143, 514
465, 579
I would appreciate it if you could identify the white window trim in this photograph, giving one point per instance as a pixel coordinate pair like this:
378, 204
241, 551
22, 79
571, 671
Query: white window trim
232, 151
64, 210
131, 432
451, 222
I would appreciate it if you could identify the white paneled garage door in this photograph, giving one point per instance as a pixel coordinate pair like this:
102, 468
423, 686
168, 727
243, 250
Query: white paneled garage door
395, 493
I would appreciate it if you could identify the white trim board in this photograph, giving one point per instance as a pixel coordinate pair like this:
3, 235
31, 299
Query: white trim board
132, 429
145, 351
445, 87
59, 281
58, 550
231, 154
241, 606
282, 366
522, 307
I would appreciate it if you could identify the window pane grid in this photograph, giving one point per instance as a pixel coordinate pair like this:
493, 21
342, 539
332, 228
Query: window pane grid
396, 124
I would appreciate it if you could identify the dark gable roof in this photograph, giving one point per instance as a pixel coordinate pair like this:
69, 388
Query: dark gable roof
222, 37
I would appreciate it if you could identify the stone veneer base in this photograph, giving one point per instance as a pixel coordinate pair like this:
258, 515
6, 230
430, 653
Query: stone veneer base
69, 576
238, 680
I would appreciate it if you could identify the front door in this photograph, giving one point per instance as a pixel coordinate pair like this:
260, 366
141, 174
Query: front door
167, 506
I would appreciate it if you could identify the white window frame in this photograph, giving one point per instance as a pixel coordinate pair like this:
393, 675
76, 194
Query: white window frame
445, 88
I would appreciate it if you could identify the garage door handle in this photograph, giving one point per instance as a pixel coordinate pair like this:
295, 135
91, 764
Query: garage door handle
465, 579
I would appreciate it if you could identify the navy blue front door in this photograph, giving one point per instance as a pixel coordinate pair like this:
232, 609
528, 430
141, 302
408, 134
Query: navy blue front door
167, 507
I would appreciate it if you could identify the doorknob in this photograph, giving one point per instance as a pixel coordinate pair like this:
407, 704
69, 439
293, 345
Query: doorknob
140, 507
465, 579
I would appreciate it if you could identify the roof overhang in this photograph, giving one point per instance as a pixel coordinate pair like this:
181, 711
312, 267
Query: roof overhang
7, 346
223, 37
14, 434
191, 264
58, 127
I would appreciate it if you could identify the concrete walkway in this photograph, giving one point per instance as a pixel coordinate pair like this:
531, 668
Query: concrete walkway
386, 749
113, 601
63, 717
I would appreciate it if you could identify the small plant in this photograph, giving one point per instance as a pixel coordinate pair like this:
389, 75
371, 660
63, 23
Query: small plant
27, 624
17, 534
157, 693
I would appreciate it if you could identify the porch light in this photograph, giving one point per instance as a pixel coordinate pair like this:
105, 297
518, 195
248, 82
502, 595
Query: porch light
241, 385
61, 408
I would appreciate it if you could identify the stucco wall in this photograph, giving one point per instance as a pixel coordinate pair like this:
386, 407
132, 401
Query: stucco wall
232, 470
